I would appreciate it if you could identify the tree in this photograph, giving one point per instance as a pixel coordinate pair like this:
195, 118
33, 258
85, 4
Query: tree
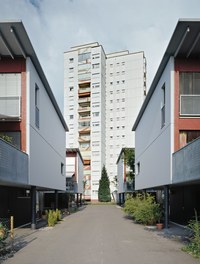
129, 157
104, 187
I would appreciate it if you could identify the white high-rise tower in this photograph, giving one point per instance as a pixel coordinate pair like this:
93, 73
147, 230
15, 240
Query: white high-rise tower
103, 94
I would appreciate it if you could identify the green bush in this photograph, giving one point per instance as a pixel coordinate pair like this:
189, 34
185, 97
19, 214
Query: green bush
131, 204
58, 215
193, 247
143, 209
51, 218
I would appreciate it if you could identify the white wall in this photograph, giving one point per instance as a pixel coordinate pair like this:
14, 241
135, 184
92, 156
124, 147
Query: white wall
120, 176
80, 175
46, 145
154, 144
123, 102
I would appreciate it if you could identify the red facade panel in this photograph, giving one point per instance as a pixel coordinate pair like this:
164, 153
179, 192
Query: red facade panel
18, 65
183, 123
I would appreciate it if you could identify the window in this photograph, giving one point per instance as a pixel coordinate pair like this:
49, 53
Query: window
71, 69
138, 168
187, 136
111, 92
123, 62
71, 88
123, 81
37, 112
83, 57
62, 168
95, 113
95, 66
117, 82
123, 72
71, 117
123, 99
111, 83
189, 93
163, 107
71, 60
123, 90
111, 74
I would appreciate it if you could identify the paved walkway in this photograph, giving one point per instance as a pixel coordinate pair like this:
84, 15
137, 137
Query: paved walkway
98, 234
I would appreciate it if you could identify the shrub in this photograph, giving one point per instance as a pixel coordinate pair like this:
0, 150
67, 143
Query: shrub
58, 215
131, 204
143, 209
51, 218
194, 246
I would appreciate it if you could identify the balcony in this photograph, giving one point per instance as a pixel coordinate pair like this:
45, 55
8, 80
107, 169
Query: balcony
10, 108
13, 165
190, 105
83, 109
84, 99
186, 163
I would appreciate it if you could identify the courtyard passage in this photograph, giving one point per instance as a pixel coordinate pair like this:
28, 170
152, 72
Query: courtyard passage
98, 234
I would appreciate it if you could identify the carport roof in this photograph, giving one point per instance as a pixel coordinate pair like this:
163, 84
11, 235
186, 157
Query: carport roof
184, 43
14, 42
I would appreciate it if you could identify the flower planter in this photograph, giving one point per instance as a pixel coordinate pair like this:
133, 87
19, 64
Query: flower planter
160, 226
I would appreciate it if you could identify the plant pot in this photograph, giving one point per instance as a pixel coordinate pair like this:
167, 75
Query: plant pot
159, 226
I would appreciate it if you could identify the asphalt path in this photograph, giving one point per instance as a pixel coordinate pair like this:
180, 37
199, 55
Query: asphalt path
98, 234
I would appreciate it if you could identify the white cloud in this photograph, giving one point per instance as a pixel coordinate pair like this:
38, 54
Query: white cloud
55, 25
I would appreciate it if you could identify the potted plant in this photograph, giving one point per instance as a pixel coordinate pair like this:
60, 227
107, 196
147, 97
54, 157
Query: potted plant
158, 217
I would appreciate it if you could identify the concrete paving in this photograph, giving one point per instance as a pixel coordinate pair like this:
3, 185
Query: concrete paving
98, 234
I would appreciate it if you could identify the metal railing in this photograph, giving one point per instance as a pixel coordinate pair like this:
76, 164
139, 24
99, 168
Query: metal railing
186, 163
13, 164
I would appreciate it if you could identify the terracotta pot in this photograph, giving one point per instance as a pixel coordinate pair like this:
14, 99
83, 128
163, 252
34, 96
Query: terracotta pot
160, 226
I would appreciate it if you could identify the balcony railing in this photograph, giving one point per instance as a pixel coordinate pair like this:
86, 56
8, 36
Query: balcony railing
10, 108
186, 163
13, 165
190, 105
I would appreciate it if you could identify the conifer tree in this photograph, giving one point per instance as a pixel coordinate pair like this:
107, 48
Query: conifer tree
104, 187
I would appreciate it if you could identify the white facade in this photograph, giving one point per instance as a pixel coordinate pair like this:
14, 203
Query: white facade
45, 144
112, 109
125, 92
74, 167
154, 142
120, 175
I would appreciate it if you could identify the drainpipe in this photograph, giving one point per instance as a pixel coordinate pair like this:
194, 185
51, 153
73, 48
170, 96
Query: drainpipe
33, 207
166, 206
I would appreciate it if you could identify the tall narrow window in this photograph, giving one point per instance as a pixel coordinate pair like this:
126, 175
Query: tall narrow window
163, 107
37, 106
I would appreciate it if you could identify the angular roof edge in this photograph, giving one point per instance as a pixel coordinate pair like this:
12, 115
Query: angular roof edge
28, 50
172, 50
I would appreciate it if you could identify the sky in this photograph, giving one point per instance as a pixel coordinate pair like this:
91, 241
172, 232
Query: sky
54, 26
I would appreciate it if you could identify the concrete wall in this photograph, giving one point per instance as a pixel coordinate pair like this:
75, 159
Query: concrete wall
46, 144
154, 143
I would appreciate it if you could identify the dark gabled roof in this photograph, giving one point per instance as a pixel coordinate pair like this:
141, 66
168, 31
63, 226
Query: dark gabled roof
184, 43
14, 42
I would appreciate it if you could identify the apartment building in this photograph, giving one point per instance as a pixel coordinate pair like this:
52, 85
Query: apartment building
103, 94
125, 93
36, 162
168, 122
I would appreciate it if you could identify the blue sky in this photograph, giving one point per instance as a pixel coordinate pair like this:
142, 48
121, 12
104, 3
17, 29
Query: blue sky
55, 25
